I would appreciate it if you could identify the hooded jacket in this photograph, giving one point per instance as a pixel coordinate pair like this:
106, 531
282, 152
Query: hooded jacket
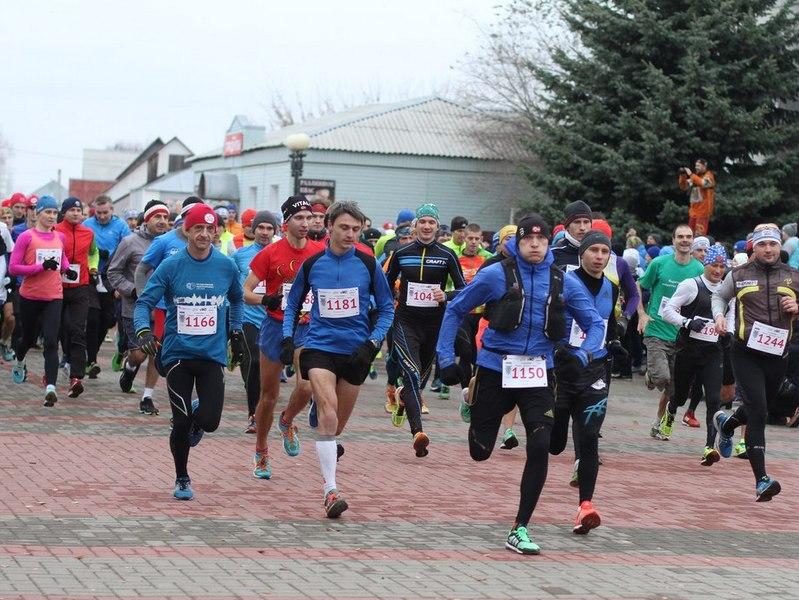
122, 268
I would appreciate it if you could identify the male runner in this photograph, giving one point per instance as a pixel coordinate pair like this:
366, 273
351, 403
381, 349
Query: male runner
341, 341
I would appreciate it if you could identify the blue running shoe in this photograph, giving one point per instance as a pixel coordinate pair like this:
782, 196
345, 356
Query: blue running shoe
766, 489
313, 419
183, 489
19, 372
723, 442
261, 468
291, 437
196, 432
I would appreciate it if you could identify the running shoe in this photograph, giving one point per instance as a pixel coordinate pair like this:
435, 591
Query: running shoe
372, 373
290, 371
183, 489
196, 432
75, 387
261, 468
116, 362
587, 518
66, 370
334, 504
723, 442
464, 407
19, 372
339, 451
766, 489
92, 370
435, 386
283, 378
420, 444
689, 419
291, 437
390, 401
519, 541
398, 410
509, 440
251, 425
50, 397
648, 381
425, 408
666, 425
126, 378
146, 406
575, 478
7, 352
444, 393
313, 416
709, 456
740, 449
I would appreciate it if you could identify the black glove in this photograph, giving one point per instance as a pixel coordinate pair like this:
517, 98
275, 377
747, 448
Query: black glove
94, 278
50, 264
451, 374
696, 324
567, 365
616, 349
148, 343
103, 254
365, 354
287, 351
237, 346
272, 301
71, 274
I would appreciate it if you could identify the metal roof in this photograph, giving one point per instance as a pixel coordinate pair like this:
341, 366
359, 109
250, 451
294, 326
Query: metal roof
429, 126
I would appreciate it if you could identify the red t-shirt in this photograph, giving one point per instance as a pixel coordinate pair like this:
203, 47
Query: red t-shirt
278, 263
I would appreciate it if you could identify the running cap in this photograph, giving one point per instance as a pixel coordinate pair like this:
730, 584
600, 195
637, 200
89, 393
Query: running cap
46, 202
71, 202
576, 210
699, 243
766, 234
458, 223
428, 210
592, 238
715, 254
532, 224
201, 214
371, 234
293, 205
155, 207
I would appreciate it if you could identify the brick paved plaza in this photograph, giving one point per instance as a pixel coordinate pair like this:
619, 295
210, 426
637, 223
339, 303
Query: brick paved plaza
87, 510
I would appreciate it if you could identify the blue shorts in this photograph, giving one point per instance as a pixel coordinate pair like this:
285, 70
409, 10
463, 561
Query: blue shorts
271, 335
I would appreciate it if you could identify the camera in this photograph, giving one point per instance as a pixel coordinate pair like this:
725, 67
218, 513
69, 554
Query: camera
683, 171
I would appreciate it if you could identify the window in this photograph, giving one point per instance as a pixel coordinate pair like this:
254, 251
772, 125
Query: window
274, 195
176, 162
253, 196
152, 167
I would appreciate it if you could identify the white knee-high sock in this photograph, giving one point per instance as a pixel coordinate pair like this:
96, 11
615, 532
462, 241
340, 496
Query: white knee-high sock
326, 451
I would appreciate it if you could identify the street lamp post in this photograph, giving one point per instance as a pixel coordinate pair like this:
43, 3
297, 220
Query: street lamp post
297, 143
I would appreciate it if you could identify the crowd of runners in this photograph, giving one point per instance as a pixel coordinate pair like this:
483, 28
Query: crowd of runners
532, 325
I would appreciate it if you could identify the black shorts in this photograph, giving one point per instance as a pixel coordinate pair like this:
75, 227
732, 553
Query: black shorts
338, 364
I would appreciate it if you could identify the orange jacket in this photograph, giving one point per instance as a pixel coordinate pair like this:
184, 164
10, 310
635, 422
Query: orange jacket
701, 192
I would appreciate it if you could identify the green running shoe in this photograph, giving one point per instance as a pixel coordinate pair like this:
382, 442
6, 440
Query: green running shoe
116, 362
465, 409
398, 409
444, 393
666, 425
519, 542
739, 451
709, 456
509, 440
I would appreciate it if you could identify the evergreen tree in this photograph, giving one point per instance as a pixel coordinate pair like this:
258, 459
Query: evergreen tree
656, 84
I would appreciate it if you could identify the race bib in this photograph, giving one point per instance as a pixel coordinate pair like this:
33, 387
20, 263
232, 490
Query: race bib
338, 303
76, 268
707, 334
766, 338
43, 254
663, 302
421, 294
306, 303
577, 336
196, 320
524, 371
260, 288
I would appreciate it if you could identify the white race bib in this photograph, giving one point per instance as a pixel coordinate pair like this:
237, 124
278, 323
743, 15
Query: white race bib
766, 338
524, 371
707, 334
663, 302
421, 294
338, 303
196, 320
43, 254
306, 303
260, 288
577, 336
76, 268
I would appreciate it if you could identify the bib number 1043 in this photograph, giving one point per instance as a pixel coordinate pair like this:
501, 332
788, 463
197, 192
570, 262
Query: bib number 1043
524, 371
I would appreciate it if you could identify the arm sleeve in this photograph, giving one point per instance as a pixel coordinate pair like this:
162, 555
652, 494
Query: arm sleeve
722, 296
16, 266
582, 307
235, 295
684, 294
116, 271
149, 297
293, 303
628, 288
94, 256
385, 305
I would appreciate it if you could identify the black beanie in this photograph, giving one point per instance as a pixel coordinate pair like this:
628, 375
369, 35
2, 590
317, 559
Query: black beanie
591, 238
71, 202
530, 224
576, 210
293, 205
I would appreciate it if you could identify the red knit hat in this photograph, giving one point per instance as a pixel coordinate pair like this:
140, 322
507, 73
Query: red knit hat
247, 216
200, 214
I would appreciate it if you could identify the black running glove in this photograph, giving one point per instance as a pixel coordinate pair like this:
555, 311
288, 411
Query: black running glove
567, 365
148, 343
696, 324
237, 346
287, 351
272, 301
71, 274
451, 374
50, 264
616, 349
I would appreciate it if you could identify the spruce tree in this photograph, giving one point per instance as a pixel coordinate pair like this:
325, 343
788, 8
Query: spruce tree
656, 84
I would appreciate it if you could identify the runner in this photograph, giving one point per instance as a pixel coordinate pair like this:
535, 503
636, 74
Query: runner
662, 277
765, 290
341, 342
121, 276
515, 364
698, 360
263, 226
422, 268
7, 290
195, 283
272, 272
38, 257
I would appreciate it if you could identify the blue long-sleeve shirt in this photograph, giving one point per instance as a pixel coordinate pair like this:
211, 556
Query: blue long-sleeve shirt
107, 236
529, 338
195, 292
328, 271
242, 257
162, 248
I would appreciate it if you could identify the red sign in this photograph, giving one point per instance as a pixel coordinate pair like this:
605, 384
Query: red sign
234, 144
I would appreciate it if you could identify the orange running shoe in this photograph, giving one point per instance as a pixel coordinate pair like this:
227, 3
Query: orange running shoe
420, 444
587, 518
689, 420
390, 400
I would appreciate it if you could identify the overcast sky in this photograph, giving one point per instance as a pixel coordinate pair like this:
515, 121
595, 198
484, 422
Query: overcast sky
87, 74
